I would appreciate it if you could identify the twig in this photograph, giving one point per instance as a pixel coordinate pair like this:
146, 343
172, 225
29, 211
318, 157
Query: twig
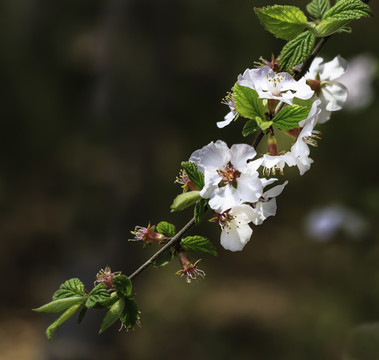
172, 242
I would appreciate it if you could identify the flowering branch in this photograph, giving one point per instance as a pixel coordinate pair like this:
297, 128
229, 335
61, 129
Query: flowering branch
293, 94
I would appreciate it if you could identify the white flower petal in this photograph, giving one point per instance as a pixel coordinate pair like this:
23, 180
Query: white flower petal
314, 68
212, 156
333, 69
229, 117
275, 191
335, 95
249, 187
239, 154
224, 198
235, 237
263, 210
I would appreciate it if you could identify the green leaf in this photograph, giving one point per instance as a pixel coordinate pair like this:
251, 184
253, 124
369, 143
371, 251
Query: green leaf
166, 228
105, 304
285, 22
296, 50
247, 102
348, 10
185, 200
60, 305
289, 117
317, 8
250, 127
123, 285
163, 259
340, 15
81, 315
72, 287
130, 314
199, 210
194, 174
64, 317
305, 103
98, 295
198, 244
112, 314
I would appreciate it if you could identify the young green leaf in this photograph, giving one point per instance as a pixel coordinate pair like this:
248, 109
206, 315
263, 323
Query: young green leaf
72, 287
185, 200
317, 8
194, 174
60, 305
348, 9
296, 50
163, 259
305, 103
199, 210
198, 244
112, 314
166, 228
64, 317
123, 285
131, 314
250, 127
340, 15
289, 117
247, 102
98, 295
81, 315
285, 22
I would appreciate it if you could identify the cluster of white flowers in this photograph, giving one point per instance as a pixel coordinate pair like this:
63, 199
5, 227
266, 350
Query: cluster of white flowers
232, 182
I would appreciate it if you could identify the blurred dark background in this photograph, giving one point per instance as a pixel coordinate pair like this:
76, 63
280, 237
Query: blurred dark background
101, 101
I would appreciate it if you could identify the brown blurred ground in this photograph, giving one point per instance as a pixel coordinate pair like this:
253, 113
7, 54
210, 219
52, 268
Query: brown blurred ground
100, 102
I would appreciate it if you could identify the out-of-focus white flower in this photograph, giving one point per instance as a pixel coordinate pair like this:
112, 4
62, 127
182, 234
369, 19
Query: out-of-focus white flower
230, 179
358, 80
322, 79
269, 85
234, 224
299, 154
324, 223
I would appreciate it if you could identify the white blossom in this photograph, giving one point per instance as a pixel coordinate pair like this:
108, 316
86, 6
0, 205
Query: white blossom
322, 78
234, 223
299, 154
269, 85
358, 79
324, 223
230, 177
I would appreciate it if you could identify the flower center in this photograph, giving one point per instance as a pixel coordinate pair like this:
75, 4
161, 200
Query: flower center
229, 100
275, 83
224, 220
312, 139
229, 175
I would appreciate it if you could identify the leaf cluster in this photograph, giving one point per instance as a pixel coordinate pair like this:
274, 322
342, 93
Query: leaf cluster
290, 23
72, 298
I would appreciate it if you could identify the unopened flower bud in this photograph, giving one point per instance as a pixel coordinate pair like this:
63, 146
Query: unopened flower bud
272, 147
315, 85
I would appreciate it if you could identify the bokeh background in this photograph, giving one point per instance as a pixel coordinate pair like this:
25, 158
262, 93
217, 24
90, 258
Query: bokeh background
101, 101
